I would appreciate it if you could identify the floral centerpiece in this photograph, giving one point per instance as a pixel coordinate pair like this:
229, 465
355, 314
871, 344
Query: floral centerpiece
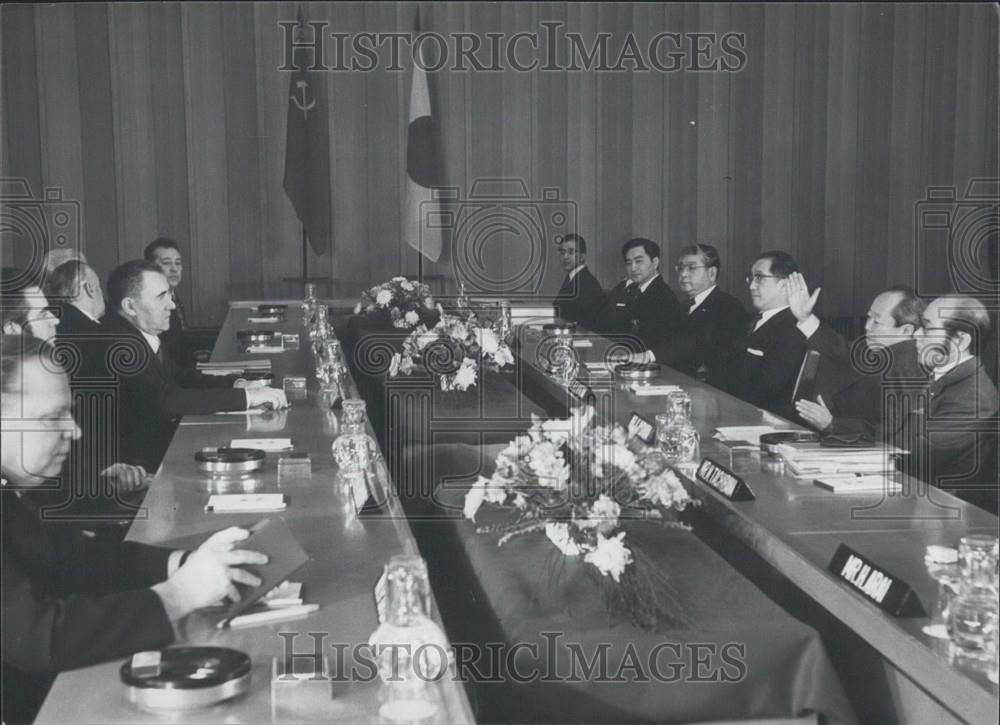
455, 349
403, 302
579, 483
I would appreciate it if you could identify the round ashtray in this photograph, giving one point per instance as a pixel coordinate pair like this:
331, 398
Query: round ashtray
230, 460
559, 328
637, 371
272, 309
182, 678
255, 337
769, 442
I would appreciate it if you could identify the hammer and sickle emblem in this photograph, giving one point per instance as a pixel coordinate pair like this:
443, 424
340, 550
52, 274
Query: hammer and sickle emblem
304, 104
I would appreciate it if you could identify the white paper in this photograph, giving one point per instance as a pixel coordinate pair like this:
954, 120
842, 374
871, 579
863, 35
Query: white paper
264, 320
235, 502
583, 342
647, 390
749, 433
265, 349
271, 445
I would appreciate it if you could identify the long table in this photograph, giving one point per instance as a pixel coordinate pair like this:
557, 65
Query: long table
796, 527
346, 558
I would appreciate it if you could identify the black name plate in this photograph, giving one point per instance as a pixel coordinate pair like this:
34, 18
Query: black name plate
875, 584
579, 390
724, 481
640, 427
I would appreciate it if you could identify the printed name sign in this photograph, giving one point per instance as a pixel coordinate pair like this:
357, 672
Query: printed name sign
579, 390
724, 481
875, 584
641, 428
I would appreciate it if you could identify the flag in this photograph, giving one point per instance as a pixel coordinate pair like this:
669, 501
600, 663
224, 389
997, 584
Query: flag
307, 145
422, 169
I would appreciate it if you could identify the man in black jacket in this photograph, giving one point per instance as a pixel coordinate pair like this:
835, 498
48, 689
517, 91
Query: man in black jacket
165, 253
765, 361
68, 600
642, 305
710, 322
154, 390
580, 297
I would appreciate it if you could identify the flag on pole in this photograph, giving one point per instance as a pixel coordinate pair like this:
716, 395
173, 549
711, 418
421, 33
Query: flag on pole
422, 168
307, 144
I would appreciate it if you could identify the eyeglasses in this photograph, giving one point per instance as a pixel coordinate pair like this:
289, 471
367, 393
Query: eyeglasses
681, 268
758, 277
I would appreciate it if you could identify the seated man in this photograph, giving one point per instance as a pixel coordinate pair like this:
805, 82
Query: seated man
853, 402
24, 310
642, 305
952, 438
70, 601
580, 297
711, 322
155, 392
768, 354
165, 254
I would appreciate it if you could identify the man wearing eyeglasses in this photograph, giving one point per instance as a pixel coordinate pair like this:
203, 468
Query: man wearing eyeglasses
642, 305
763, 366
710, 319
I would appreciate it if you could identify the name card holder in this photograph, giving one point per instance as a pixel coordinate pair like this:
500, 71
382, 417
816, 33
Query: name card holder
640, 427
876, 584
724, 481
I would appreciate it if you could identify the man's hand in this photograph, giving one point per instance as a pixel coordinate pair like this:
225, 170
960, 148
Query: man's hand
210, 574
268, 397
126, 478
816, 414
800, 301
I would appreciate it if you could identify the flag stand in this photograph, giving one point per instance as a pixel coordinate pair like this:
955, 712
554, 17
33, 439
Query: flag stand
304, 278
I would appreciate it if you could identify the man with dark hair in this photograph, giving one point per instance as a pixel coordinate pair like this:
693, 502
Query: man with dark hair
24, 309
711, 319
854, 388
166, 254
155, 391
71, 601
642, 305
765, 362
580, 297
952, 438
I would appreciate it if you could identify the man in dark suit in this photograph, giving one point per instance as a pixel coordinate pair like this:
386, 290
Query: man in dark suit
580, 297
710, 322
642, 305
166, 254
952, 438
858, 390
154, 390
70, 601
765, 361
24, 309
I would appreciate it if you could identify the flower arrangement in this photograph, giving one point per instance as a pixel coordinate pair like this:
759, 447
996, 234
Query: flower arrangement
453, 349
578, 482
404, 303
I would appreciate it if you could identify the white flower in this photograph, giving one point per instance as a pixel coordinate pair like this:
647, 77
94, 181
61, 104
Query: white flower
466, 375
406, 366
487, 341
482, 490
429, 303
666, 490
394, 364
613, 454
357, 309
611, 555
520, 501
604, 513
559, 535
399, 279
412, 317
425, 339
407, 285
503, 356
383, 298
546, 462
459, 332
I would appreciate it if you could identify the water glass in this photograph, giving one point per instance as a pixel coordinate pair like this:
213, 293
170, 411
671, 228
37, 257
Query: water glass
679, 406
355, 412
978, 560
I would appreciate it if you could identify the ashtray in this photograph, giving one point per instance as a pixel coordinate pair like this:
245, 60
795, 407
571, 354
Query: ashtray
182, 678
637, 371
769, 442
272, 309
230, 460
255, 337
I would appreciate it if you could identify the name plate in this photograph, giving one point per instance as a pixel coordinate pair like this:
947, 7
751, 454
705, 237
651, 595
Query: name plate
875, 584
724, 481
640, 427
579, 390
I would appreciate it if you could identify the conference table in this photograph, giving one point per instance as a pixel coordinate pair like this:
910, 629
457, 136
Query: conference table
347, 553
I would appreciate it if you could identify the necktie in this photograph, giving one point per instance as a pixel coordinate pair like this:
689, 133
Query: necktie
632, 293
756, 322
691, 303
179, 311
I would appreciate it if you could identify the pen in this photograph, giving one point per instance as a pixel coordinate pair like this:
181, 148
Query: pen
270, 615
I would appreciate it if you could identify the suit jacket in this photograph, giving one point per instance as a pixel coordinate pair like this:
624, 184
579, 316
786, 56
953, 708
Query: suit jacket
70, 601
705, 336
652, 316
952, 438
175, 338
154, 393
580, 299
764, 364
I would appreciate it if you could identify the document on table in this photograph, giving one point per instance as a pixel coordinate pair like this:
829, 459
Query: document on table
271, 445
648, 390
265, 349
858, 484
749, 433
